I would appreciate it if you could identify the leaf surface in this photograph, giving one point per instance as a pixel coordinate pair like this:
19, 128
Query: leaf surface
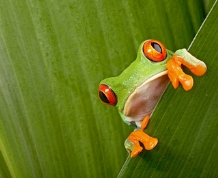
53, 54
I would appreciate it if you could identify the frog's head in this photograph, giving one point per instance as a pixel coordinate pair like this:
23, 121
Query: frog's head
136, 91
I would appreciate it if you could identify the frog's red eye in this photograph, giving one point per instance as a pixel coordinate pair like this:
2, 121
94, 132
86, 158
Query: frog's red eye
154, 50
107, 95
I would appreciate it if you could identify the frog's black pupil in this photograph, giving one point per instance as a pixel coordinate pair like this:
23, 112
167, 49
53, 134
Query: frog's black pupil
156, 47
103, 97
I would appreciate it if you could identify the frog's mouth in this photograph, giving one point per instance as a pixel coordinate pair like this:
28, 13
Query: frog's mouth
145, 97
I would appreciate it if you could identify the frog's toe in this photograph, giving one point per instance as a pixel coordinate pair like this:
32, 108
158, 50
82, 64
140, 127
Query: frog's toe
133, 147
176, 74
136, 151
151, 143
186, 81
199, 69
174, 79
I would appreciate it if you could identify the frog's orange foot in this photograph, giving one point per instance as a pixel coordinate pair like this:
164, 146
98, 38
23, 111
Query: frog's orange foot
176, 74
145, 122
136, 149
150, 143
132, 143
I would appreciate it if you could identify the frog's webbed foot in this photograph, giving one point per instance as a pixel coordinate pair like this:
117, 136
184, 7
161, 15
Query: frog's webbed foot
132, 143
175, 72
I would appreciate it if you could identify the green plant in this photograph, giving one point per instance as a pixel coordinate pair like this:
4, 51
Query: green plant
53, 55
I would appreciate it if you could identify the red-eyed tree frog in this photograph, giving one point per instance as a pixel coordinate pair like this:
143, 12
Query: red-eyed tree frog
136, 91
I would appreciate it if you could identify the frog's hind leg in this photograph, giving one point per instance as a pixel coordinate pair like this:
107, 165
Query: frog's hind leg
145, 122
136, 148
133, 141
148, 141
138, 136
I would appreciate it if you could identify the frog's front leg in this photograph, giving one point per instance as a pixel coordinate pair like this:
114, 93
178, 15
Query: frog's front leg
132, 143
175, 72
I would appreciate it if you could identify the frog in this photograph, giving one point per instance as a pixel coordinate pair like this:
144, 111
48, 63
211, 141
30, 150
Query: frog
138, 89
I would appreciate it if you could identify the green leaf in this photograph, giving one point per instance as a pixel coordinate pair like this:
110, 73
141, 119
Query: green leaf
53, 54
186, 122
208, 4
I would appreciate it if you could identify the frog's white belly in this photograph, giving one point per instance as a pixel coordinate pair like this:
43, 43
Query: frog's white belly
145, 97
